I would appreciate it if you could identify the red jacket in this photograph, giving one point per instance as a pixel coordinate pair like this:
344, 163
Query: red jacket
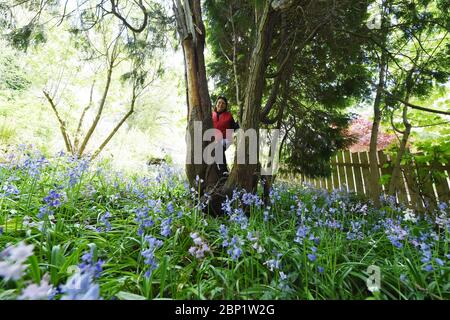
223, 121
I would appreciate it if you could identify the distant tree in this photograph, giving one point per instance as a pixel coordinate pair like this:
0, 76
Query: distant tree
105, 43
361, 130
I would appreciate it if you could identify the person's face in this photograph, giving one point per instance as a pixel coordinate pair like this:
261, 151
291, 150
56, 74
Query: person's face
221, 105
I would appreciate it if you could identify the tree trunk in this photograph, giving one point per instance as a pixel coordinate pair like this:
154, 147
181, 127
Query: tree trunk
246, 175
374, 185
396, 170
192, 33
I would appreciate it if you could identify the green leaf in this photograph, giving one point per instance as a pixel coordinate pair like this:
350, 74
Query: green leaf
123, 295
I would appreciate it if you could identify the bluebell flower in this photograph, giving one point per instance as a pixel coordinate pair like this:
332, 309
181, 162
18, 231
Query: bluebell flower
235, 250
88, 265
170, 209
252, 199
301, 234
395, 233
428, 268
80, 286
44, 211
274, 195
355, 233
149, 254
75, 173
105, 220
53, 199
439, 261
10, 190
200, 247
312, 257
273, 264
223, 230
166, 227
144, 219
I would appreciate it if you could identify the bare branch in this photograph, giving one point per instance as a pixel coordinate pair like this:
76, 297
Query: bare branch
100, 109
62, 124
115, 11
117, 127
80, 123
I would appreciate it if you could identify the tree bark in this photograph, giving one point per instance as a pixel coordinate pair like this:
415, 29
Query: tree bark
192, 33
246, 175
396, 170
374, 185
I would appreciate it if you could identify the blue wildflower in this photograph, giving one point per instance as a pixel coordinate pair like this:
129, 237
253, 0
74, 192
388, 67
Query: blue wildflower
104, 219
439, 261
149, 254
301, 234
166, 227
312, 257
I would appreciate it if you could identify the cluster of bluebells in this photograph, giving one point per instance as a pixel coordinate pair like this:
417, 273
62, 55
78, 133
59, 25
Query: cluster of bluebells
442, 219
395, 232
52, 200
33, 164
166, 222
425, 243
149, 254
253, 238
81, 285
302, 233
42, 291
76, 170
12, 267
274, 264
88, 265
144, 219
104, 219
200, 247
9, 190
12, 260
169, 175
238, 216
250, 199
234, 244
235, 247
355, 232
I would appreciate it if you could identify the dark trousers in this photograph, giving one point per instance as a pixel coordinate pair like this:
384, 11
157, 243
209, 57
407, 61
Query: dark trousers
222, 165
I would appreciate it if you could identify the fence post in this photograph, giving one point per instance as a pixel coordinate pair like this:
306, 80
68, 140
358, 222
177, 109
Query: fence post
357, 170
364, 158
349, 167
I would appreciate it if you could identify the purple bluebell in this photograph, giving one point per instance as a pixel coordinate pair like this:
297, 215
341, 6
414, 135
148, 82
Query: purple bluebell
166, 227
105, 220
10, 190
301, 234
149, 254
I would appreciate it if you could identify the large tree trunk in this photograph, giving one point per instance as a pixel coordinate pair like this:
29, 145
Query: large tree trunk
246, 175
192, 33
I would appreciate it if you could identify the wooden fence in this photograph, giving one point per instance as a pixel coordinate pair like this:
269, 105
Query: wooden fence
417, 185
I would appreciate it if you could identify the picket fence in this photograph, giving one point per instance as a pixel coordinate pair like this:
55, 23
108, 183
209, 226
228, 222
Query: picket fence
418, 186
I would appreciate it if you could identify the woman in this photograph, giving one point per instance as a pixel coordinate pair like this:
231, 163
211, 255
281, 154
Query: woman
223, 121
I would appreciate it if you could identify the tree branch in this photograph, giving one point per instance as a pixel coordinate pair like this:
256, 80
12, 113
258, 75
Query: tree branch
115, 11
62, 124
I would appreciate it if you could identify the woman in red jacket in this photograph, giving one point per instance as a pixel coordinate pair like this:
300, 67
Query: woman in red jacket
223, 121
